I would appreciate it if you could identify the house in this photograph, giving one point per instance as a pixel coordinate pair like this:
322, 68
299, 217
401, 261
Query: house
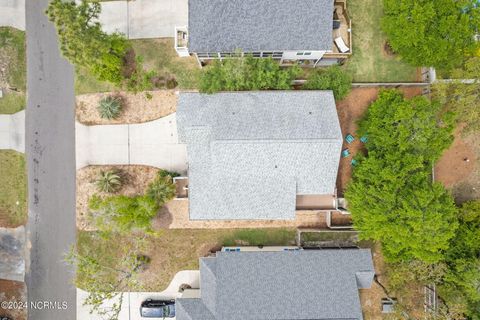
259, 155
298, 284
309, 32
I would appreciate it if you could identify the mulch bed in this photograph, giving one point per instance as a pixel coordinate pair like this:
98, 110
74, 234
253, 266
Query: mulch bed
136, 108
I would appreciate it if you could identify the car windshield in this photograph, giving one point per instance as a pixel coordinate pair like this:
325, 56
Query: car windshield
155, 311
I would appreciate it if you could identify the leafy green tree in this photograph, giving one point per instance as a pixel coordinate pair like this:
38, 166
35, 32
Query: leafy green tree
396, 126
247, 73
436, 33
106, 279
83, 42
391, 196
162, 189
109, 181
123, 214
332, 78
462, 98
462, 281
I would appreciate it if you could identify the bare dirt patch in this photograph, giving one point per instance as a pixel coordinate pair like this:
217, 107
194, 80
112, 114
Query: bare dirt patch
456, 163
135, 181
387, 50
137, 108
15, 292
350, 110
175, 216
459, 168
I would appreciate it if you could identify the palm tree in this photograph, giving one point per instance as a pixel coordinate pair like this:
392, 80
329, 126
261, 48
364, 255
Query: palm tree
162, 189
109, 181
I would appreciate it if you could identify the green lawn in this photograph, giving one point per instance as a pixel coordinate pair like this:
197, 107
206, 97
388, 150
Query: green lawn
13, 188
179, 249
12, 102
87, 83
12, 58
160, 55
369, 62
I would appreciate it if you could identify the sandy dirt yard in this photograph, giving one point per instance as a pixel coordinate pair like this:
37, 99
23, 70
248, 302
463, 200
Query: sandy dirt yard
135, 181
459, 169
411, 299
174, 215
13, 292
137, 108
350, 111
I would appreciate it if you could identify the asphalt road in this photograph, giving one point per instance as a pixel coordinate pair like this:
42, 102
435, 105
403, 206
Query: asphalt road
50, 150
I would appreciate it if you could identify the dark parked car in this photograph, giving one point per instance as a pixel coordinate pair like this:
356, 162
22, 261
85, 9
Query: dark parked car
157, 309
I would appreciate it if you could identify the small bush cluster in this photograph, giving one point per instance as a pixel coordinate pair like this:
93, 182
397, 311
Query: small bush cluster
110, 107
247, 73
332, 78
122, 213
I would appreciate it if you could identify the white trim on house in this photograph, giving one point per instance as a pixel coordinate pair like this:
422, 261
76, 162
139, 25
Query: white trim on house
284, 57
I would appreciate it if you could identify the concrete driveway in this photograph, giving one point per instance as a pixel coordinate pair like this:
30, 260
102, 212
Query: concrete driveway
140, 19
12, 14
153, 143
12, 131
132, 300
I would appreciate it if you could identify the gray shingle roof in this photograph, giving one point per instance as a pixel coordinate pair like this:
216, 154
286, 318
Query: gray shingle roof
309, 284
259, 25
251, 153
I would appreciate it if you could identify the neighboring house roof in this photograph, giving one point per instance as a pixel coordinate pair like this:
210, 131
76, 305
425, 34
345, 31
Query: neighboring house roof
259, 25
305, 284
251, 153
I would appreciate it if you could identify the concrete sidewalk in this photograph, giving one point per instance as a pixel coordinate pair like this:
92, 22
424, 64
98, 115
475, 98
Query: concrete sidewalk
132, 300
12, 131
153, 143
144, 18
12, 14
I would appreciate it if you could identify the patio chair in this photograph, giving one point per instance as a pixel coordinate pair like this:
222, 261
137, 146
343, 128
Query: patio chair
345, 153
364, 139
341, 45
349, 138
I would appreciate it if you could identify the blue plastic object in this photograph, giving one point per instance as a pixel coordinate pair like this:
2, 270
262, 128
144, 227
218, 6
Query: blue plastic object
364, 139
349, 138
345, 153
354, 162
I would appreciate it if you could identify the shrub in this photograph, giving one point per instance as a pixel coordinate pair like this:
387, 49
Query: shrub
123, 214
110, 107
247, 73
162, 189
139, 79
333, 78
109, 181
